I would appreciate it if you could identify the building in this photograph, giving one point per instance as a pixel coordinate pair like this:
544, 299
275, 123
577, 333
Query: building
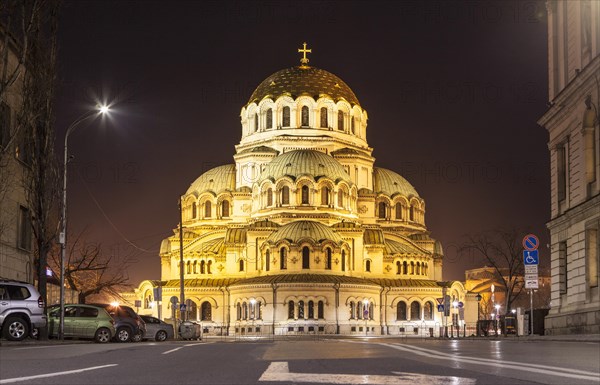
303, 233
16, 255
572, 124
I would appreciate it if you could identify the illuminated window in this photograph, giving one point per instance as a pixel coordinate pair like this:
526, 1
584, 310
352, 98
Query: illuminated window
206, 311
415, 311
305, 195
286, 117
324, 117
341, 120
304, 116
311, 310
300, 309
285, 195
291, 310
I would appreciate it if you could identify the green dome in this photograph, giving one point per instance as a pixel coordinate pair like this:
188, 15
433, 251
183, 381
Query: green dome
215, 180
304, 162
303, 80
296, 231
390, 183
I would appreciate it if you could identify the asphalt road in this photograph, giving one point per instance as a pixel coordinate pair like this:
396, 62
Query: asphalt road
330, 361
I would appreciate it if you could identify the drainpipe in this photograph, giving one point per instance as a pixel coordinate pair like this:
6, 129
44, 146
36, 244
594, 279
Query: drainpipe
381, 311
228, 308
222, 323
387, 329
336, 287
274, 286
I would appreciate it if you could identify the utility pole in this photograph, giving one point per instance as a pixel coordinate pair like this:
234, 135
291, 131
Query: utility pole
181, 266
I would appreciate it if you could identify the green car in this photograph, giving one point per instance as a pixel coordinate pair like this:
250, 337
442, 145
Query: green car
82, 321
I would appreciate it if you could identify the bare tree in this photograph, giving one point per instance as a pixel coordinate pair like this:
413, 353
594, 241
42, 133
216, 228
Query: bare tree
503, 251
91, 272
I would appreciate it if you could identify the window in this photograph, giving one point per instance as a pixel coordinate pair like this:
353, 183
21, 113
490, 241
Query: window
189, 267
241, 265
311, 310
324, 117
343, 260
206, 311
381, 210
320, 310
562, 267
225, 209
300, 309
412, 267
291, 309
415, 311
305, 195
352, 309
352, 124
328, 259
325, 196
270, 118
398, 267
255, 122
398, 211
244, 310
267, 260
208, 265
591, 245
24, 230
207, 209
304, 116
368, 266
239, 311
401, 311
418, 268
286, 117
340, 198
202, 267
88, 312
4, 125
305, 257
341, 120
561, 172
269, 197
428, 311
194, 209
282, 258
285, 195
412, 213
195, 269
404, 267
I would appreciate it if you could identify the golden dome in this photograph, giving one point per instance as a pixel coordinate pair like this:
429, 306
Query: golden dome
299, 230
303, 80
297, 163
390, 183
214, 180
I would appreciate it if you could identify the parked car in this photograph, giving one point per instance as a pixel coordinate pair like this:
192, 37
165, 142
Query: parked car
82, 321
21, 309
127, 322
157, 330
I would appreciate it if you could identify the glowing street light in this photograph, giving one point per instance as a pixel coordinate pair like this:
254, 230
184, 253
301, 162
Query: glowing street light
100, 110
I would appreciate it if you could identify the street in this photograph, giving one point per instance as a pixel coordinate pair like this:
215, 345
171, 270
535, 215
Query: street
332, 361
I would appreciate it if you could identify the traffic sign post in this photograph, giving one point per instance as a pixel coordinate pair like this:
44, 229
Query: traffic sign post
530, 262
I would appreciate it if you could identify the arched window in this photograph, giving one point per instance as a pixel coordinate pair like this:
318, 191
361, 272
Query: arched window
206, 311
269, 197
341, 120
428, 311
202, 267
415, 311
305, 257
412, 268
195, 267
208, 265
304, 116
328, 259
311, 310
239, 311
371, 310
418, 268
324, 117
258, 312
282, 258
359, 310
304, 195
398, 267
244, 311
255, 122
241, 265
381, 210
398, 211
267, 260
225, 209
270, 118
320, 310
189, 267
285, 195
291, 310
194, 209
300, 309
352, 309
286, 117
405, 267
426, 269
401, 311
412, 213
207, 209
343, 260
352, 124
325, 196
368, 265
340, 198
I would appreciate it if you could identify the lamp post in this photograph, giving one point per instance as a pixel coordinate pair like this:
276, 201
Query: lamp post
101, 110
478, 298
497, 306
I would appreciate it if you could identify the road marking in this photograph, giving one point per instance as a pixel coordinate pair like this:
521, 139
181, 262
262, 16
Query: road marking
513, 365
279, 371
19, 379
181, 347
47, 346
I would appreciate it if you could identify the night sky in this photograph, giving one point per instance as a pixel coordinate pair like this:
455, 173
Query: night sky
453, 91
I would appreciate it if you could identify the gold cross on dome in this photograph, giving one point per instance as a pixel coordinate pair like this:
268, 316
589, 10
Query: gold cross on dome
304, 51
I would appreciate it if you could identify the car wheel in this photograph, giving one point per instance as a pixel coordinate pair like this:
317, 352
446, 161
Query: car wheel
137, 337
123, 334
15, 329
161, 336
102, 335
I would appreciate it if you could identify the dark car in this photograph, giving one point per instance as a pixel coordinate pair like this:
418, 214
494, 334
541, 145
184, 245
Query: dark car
157, 330
129, 325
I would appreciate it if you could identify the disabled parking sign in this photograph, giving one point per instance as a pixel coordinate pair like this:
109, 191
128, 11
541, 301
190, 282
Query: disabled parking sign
530, 257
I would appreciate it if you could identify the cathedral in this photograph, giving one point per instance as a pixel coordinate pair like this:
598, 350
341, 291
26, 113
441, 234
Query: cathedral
302, 233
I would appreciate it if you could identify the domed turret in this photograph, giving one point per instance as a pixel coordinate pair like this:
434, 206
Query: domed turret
295, 164
390, 183
215, 180
300, 230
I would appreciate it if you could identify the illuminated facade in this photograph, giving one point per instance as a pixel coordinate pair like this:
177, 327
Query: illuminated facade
303, 233
572, 121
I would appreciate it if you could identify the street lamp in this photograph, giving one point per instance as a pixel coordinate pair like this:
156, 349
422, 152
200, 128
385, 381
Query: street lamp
497, 306
100, 110
366, 313
478, 298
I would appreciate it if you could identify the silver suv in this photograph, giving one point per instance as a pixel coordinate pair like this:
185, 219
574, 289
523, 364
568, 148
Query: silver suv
21, 309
